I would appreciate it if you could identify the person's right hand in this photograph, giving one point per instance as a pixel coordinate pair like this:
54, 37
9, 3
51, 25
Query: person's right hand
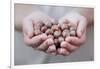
31, 26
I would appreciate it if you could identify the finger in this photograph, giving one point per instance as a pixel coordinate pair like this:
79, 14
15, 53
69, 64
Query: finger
75, 40
81, 27
46, 44
35, 41
53, 53
62, 51
68, 46
28, 28
51, 49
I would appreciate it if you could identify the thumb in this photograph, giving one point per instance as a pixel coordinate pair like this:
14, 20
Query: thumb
81, 27
28, 28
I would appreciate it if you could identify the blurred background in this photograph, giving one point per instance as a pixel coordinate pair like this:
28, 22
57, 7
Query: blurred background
24, 55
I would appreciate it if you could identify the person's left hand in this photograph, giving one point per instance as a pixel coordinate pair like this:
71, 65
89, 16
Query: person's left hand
72, 43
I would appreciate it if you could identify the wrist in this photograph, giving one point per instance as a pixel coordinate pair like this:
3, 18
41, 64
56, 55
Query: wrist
88, 13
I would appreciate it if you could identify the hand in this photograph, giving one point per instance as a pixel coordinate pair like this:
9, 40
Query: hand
31, 26
72, 43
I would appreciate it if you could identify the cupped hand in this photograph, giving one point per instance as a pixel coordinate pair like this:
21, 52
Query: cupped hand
72, 43
31, 30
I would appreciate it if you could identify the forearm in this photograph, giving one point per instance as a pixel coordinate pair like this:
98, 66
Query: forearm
88, 13
19, 21
18, 26
22, 11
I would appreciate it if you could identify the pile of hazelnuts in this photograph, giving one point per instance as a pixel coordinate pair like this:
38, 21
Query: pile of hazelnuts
58, 32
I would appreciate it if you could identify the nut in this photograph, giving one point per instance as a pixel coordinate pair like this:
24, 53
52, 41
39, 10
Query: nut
65, 33
72, 33
49, 31
44, 28
64, 26
60, 39
55, 28
51, 36
57, 33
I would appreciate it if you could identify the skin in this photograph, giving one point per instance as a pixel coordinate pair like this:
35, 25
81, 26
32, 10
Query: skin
79, 18
44, 46
31, 22
51, 50
35, 41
